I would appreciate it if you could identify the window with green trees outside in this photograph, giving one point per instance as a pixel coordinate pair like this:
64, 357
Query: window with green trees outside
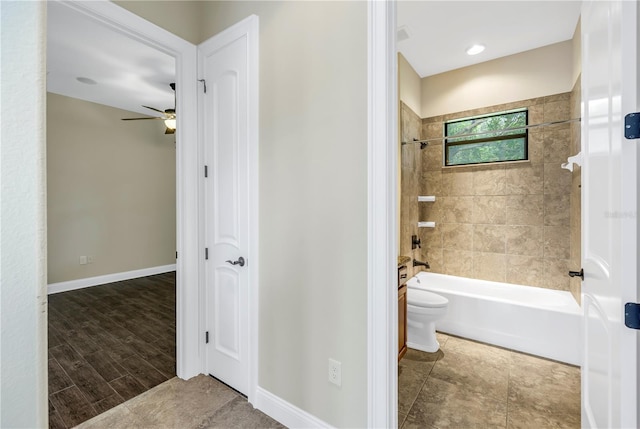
487, 138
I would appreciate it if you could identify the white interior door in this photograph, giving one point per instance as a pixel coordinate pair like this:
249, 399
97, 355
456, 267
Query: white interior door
610, 254
225, 115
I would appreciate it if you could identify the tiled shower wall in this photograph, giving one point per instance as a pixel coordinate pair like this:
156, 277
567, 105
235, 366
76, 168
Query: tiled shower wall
575, 284
410, 175
501, 222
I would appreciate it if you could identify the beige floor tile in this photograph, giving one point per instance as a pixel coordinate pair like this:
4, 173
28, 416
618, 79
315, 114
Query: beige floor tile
238, 413
175, 403
543, 392
475, 385
413, 370
478, 368
445, 405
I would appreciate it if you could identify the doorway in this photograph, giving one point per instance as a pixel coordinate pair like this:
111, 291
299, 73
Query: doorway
181, 158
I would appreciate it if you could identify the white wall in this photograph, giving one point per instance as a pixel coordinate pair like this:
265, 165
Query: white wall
111, 188
313, 200
23, 320
535, 73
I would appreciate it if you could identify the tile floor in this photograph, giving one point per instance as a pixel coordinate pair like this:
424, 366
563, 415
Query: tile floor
472, 385
108, 344
201, 402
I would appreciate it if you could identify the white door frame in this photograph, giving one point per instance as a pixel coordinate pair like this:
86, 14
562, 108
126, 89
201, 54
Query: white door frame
382, 312
189, 350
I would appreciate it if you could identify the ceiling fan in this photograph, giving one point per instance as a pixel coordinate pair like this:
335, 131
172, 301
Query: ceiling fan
168, 115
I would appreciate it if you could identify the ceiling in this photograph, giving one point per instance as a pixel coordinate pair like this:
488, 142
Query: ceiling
441, 31
128, 73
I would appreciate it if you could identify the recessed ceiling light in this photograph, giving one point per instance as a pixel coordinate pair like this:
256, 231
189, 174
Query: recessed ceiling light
86, 80
475, 49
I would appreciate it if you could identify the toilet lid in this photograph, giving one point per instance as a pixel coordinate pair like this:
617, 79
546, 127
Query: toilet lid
422, 298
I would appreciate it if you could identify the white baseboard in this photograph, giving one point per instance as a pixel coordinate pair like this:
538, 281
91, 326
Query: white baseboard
286, 413
107, 278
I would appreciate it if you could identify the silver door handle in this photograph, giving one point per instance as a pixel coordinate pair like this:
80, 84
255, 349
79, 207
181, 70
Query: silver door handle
240, 262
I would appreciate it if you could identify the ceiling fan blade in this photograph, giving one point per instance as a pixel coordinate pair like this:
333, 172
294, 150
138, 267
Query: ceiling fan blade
138, 119
153, 108
170, 131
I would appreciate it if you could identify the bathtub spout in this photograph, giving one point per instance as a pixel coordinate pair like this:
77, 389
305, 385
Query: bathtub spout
417, 263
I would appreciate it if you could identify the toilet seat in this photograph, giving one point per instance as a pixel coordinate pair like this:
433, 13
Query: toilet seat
425, 299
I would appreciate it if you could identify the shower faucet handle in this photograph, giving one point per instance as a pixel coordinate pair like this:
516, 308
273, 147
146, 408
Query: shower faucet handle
577, 274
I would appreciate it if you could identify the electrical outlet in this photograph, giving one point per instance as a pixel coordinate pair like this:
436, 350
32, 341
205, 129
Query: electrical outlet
335, 372
90, 259
83, 260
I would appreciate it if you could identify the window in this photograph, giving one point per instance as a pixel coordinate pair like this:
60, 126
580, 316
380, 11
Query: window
487, 138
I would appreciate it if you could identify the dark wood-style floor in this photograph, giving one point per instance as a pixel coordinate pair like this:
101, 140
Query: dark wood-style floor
108, 344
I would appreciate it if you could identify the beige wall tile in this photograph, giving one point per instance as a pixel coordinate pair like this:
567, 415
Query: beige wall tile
434, 258
489, 209
525, 178
556, 274
557, 209
457, 209
536, 146
431, 183
556, 242
489, 181
536, 114
490, 238
432, 157
565, 96
431, 238
458, 262
457, 183
457, 236
556, 111
525, 240
525, 209
432, 130
556, 144
431, 119
491, 219
556, 180
431, 211
490, 266
525, 270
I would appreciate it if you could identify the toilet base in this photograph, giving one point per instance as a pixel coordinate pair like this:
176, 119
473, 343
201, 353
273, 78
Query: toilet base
422, 336
430, 348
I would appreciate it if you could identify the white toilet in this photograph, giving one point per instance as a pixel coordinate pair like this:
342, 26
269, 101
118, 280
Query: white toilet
423, 310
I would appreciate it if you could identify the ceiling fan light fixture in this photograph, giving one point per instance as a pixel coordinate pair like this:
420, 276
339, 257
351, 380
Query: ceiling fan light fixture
170, 123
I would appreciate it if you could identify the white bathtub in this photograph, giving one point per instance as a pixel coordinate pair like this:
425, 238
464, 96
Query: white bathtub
533, 320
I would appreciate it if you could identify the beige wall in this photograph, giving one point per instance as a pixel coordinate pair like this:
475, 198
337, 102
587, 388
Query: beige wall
576, 44
502, 222
111, 190
313, 200
409, 85
183, 18
536, 73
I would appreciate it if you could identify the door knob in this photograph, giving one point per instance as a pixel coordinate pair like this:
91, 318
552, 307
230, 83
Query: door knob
240, 262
